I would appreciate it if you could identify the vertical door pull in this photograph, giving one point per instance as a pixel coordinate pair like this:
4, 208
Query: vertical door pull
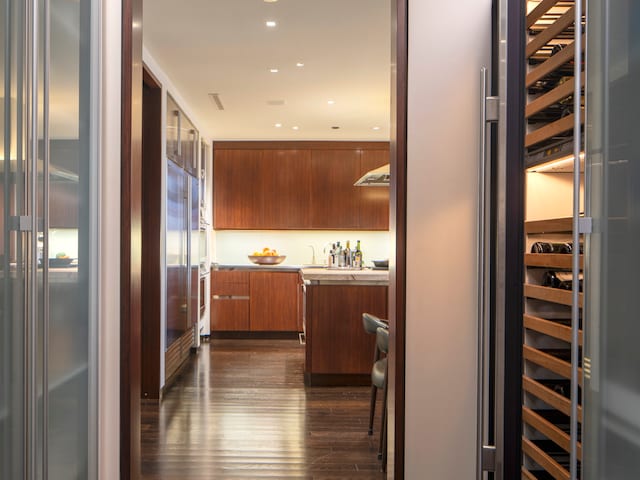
492, 106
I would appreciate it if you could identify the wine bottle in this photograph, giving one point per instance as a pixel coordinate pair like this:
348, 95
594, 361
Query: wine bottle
347, 255
358, 256
562, 280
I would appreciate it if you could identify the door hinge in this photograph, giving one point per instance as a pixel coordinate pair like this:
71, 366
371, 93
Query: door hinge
488, 458
492, 105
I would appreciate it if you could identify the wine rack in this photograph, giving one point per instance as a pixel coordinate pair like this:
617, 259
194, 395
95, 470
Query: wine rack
546, 351
550, 117
549, 81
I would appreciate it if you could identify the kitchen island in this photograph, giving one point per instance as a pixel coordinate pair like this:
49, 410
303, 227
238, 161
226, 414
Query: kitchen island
338, 351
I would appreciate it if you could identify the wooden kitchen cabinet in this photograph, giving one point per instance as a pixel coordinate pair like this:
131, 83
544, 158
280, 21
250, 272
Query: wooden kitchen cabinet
63, 204
237, 189
298, 185
334, 198
286, 189
230, 300
373, 207
338, 350
273, 301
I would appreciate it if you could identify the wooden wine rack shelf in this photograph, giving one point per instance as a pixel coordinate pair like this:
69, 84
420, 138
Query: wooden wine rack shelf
550, 260
550, 328
548, 396
553, 295
550, 362
554, 225
549, 430
545, 461
552, 129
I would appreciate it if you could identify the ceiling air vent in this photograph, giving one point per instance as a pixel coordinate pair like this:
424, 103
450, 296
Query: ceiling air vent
275, 103
215, 98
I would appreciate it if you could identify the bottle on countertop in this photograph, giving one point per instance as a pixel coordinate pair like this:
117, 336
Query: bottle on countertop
357, 257
339, 255
331, 261
347, 255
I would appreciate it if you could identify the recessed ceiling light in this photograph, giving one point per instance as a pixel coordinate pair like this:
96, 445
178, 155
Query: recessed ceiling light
295, 127
335, 127
299, 64
270, 23
375, 128
278, 125
273, 70
331, 102
270, 1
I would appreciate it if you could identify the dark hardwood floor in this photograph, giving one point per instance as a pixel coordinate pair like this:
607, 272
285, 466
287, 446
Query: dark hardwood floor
240, 410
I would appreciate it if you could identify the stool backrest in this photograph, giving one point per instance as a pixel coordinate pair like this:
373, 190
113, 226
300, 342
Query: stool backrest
382, 339
371, 323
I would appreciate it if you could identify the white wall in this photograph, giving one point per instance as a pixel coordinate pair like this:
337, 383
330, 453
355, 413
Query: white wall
448, 44
232, 247
550, 195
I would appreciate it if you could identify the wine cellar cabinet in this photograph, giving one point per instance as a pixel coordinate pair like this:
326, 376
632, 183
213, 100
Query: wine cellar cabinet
546, 350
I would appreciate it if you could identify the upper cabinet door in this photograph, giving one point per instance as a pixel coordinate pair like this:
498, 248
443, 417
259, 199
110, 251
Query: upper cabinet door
237, 192
334, 198
189, 145
174, 120
286, 179
374, 201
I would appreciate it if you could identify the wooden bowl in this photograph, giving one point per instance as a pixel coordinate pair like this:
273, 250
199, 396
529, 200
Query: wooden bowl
267, 259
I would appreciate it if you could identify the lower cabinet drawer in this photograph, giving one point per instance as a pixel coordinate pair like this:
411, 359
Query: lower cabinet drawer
229, 314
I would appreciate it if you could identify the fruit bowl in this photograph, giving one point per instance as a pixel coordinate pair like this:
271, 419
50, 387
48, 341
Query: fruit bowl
267, 259
60, 262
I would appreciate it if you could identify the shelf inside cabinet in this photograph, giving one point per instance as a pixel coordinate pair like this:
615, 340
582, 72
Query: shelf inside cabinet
549, 430
550, 260
549, 294
539, 456
549, 362
552, 225
550, 328
549, 396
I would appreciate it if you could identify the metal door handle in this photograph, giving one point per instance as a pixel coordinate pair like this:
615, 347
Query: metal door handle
488, 113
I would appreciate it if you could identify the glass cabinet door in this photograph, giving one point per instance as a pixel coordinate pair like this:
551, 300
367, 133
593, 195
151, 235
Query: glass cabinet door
612, 357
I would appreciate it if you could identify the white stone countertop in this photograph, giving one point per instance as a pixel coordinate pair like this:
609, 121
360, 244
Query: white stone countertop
345, 276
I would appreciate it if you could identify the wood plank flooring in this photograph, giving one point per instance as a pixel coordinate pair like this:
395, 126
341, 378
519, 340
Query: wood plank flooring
240, 410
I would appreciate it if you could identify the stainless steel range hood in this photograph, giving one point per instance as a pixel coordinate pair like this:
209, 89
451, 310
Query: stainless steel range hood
375, 178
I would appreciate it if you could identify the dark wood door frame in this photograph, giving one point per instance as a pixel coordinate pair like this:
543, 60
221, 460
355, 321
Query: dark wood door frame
398, 230
131, 219
151, 235
131, 240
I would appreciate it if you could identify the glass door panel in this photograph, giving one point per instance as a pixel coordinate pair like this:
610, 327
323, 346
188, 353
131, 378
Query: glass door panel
612, 356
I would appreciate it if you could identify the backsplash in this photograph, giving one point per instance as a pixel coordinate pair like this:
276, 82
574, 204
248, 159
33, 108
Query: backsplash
231, 247
63, 240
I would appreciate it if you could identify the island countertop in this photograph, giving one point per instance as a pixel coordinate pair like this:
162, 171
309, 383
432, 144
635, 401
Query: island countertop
336, 276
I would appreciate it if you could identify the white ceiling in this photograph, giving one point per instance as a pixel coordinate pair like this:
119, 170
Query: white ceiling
224, 47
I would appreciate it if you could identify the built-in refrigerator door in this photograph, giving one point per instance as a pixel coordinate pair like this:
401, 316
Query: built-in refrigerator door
177, 253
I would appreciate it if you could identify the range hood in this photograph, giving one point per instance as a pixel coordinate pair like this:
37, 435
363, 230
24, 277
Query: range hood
375, 178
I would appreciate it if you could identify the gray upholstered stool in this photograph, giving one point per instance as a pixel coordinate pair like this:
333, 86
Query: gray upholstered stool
379, 378
371, 323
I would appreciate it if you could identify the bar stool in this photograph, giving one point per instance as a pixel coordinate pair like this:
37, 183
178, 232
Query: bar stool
379, 378
371, 324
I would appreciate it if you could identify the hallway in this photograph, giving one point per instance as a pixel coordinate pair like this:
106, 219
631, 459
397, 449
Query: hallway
240, 410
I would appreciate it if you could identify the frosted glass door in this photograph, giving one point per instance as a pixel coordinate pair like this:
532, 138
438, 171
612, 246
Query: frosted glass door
612, 352
48, 250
